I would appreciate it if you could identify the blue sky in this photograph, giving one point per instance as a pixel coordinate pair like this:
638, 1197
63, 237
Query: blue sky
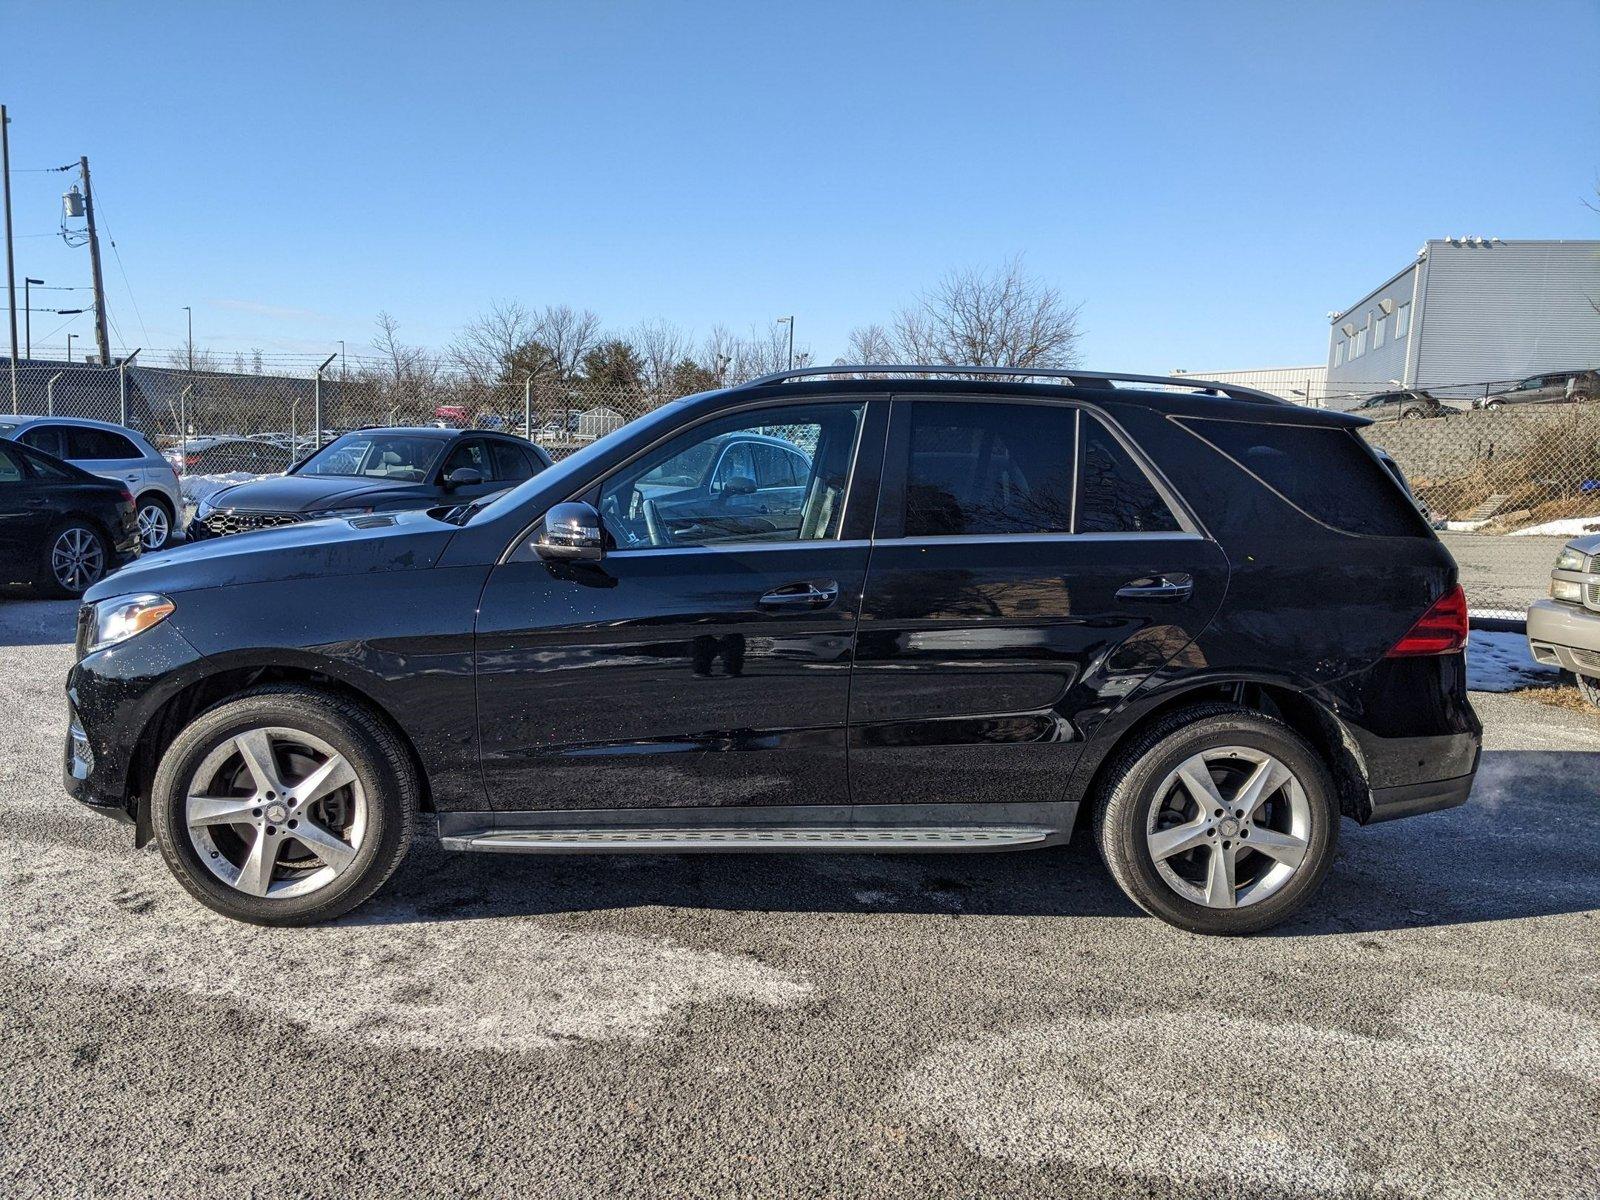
1208, 179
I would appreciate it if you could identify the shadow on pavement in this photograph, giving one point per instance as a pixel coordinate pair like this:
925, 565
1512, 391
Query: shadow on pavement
1524, 846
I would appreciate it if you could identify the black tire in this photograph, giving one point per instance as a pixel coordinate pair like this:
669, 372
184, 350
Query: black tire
1412, 414
157, 500
1129, 789
49, 582
1589, 688
380, 763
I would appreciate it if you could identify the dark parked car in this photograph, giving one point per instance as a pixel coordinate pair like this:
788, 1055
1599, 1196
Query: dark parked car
62, 529
1407, 404
220, 454
1207, 622
373, 470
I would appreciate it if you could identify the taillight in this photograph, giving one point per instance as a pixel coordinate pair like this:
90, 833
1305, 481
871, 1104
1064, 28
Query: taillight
1440, 630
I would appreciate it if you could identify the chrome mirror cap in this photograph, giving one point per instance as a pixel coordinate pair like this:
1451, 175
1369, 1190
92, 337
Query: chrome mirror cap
572, 533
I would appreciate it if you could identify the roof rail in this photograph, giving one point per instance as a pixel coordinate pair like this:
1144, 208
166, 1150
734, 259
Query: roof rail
1085, 378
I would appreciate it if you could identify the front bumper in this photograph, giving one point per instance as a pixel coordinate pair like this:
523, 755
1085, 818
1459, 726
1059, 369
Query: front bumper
113, 696
1565, 635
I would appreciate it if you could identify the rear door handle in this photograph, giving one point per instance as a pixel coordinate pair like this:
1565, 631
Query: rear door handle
805, 594
1157, 587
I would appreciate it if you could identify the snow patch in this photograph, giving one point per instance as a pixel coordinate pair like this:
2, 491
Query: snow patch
1566, 527
1501, 662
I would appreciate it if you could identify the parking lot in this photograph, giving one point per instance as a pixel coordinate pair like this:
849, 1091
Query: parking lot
886, 1026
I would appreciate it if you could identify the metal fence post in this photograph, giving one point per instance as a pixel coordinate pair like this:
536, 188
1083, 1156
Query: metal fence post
316, 405
527, 407
122, 385
183, 427
50, 394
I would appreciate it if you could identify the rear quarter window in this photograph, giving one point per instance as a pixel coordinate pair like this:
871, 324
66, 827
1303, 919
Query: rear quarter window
1324, 471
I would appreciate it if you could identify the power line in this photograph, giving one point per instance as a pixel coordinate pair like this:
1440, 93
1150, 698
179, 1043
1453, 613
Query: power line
117, 254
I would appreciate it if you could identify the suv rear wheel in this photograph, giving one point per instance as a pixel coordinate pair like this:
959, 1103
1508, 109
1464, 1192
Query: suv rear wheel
155, 522
284, 806
1218, 819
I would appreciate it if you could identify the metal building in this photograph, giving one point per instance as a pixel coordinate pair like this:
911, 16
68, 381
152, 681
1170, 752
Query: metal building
1298, 385
1468, 311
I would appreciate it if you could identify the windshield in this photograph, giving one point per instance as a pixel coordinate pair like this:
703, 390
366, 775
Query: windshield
401, 456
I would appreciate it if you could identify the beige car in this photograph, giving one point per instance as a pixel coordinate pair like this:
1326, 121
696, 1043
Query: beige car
1564, 631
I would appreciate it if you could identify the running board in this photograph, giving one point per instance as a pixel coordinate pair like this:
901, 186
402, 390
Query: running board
828, 830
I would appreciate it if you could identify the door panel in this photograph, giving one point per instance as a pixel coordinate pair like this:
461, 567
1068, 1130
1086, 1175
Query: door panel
982, 665
657, 678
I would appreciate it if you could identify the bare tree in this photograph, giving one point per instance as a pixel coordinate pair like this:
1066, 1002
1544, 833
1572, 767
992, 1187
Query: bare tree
661, 347
567, 334
871, 344
997, 318
408, 373
487, 344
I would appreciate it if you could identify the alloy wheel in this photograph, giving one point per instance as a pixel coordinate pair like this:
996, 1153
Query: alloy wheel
154, 526
77, 559
1230, 827
275, 812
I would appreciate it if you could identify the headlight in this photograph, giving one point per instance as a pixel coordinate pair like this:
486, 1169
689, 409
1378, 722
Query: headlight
125, 617
205, 508
1565, 589
1569, 560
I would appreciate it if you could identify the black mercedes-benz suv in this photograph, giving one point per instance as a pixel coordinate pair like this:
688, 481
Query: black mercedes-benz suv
1205, 621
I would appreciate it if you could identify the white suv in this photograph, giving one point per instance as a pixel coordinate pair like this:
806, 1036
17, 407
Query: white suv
112, 452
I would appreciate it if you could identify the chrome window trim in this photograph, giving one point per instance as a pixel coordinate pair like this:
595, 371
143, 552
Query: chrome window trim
990, 539
742, 547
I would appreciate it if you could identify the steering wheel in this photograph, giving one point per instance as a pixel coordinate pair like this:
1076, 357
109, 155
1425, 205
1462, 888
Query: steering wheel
654, 525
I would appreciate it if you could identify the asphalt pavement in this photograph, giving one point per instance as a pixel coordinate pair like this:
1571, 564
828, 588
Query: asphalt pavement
921, 1026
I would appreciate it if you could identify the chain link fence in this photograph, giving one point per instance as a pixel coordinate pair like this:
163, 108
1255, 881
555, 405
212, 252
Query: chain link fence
1507, 471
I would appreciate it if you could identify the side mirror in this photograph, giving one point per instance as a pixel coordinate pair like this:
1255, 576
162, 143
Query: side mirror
572, 533
738, 485
463, 477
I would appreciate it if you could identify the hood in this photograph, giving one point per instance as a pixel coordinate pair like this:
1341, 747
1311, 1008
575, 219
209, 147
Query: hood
1589, 543
307, 493
403, 541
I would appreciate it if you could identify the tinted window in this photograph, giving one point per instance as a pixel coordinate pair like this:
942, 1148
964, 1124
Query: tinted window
510, 463
43, 437
10, 468
736, 464
472, 454
776, 467
1326, 473
1114, 495
94, 445
989, 468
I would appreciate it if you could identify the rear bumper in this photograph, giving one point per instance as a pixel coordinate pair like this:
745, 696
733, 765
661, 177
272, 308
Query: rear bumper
1413, 799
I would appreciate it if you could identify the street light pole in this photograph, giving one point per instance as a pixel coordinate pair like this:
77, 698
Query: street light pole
190, 311
70, 336
11, 271
27, 314
341, 360
789, 321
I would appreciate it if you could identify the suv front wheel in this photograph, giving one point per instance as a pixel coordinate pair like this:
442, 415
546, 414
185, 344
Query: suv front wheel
1218, 819
284, 806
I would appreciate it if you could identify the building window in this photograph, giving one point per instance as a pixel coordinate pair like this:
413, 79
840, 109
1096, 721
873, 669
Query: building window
1402, 321
1377, 330
1338, 353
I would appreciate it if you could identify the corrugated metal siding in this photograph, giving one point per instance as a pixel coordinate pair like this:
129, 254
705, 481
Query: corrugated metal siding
1291, 383
1502, 311
1372, 371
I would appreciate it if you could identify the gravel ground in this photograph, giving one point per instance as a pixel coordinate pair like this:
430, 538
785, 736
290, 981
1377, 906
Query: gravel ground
883, 1026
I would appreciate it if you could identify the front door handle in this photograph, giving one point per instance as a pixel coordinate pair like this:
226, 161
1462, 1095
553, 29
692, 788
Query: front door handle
806, 594
1157, 587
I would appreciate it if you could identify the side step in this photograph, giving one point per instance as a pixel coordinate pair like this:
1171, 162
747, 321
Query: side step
875, 828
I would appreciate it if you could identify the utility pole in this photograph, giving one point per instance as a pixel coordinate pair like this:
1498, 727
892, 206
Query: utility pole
101, 336
190, 311
11, 270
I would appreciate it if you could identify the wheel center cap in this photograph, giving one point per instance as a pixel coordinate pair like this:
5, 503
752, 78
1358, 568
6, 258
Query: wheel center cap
277, 813
1229, 827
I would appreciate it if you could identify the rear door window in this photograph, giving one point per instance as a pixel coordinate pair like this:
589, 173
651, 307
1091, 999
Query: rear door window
1114, 494
510, 464
982, 468
97, 445
1324, 471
